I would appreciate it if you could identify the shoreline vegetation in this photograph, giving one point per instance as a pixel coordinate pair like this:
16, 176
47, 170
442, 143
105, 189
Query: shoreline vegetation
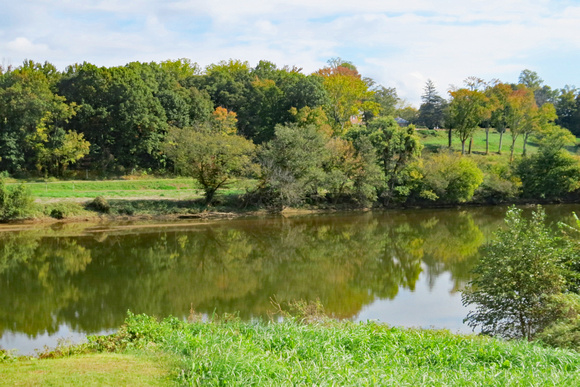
303, 348
167, 199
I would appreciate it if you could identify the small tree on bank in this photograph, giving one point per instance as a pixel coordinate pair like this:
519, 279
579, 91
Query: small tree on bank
515, 279
209, 155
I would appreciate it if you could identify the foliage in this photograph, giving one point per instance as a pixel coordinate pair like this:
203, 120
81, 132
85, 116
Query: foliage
432, 110
564, 332
15, 203
520, 109
499, 184
209, 155
516, 276
291, 164
549, 174
396, 149
348, 93
100, 204
451, 178
468, 108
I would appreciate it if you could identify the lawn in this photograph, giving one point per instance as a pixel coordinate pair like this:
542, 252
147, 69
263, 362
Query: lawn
105, 369
168, 188
436, 139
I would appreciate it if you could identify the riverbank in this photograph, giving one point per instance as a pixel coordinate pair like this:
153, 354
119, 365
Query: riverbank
168, 199
306, 349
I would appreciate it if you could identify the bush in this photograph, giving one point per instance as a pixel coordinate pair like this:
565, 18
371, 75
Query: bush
100, 204
549, 174
57, 213
14, 203
565, 331
499, 183
453, 178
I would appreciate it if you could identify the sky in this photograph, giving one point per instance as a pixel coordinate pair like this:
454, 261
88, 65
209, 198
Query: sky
398, 43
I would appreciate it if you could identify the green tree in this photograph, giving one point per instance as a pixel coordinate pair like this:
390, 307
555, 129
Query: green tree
514, 279
568, 109
521, 106
396, 149
551, 173
498, 95
348, 94
210, 156
432, 110
291, 164
15, 202
27, 102
537, 120
468, 108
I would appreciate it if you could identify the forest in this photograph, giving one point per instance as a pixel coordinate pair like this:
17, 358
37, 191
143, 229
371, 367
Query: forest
333, 136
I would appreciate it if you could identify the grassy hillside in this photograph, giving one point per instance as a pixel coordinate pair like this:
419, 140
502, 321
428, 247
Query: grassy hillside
435, 139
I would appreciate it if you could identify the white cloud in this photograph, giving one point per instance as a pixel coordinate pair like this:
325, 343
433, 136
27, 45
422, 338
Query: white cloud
399, 43
23, 46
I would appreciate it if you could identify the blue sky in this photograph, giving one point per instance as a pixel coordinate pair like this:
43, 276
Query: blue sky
398, 43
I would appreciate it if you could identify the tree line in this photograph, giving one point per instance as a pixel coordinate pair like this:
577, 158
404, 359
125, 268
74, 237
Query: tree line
329, 136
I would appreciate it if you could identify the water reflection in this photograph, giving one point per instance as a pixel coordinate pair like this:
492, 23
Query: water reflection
86, 278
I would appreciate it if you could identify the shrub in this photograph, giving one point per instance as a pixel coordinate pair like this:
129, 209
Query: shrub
549, 174
451, 177
565, 331
57, 213
100, 204
499, 183
14, 203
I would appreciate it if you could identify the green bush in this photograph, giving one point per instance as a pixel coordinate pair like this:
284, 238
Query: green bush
100, 204
499, 183
565, 331
15, 203
453, 178
549, 174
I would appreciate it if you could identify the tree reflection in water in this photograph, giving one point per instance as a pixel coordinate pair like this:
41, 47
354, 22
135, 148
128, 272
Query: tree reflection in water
87, 278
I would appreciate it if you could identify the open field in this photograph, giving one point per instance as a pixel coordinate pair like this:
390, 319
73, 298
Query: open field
436, 139
162, 188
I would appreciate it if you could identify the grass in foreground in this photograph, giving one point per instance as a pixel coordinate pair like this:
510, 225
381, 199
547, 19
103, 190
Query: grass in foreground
105, 369
228, 351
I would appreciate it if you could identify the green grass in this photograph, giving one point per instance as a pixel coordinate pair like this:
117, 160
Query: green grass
327, 352
106, 369
227, 351
436, 139
176, 188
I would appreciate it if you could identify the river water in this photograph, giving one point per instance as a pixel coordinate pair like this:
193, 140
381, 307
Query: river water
403, 268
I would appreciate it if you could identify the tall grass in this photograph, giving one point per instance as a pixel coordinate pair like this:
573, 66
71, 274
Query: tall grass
327, 352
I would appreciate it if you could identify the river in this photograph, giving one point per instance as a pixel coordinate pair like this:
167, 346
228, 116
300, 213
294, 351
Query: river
405, 268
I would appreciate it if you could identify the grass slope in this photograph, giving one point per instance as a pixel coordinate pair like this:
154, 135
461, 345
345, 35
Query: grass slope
108, 369
436, 139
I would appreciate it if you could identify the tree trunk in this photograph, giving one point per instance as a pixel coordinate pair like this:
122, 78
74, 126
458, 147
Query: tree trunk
487, 140
470, 145
462, 147
525, 143
449, 136
512, 148
500, 142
